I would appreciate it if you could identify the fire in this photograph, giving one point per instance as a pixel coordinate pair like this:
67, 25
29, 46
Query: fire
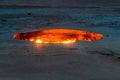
58, 36
38, 41
32, 40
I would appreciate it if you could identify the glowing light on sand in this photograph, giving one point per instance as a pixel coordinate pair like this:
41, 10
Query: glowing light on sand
58, 36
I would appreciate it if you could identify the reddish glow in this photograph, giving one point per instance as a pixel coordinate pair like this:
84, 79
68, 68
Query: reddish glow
31, 39
58, 36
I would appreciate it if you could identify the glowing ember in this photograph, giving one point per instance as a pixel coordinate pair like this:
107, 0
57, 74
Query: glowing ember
58, 36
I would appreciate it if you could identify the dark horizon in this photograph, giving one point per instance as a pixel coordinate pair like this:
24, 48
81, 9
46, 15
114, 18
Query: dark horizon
60, 3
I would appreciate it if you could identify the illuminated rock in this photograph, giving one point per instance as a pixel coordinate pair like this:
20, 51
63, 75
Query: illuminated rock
58, 36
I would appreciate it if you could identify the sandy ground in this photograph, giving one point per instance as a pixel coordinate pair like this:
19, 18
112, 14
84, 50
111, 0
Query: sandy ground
22, 60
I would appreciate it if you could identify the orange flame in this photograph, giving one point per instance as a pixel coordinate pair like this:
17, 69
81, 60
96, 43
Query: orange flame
58, 36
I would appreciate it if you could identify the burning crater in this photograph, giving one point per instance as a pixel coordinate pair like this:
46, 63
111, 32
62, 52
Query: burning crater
58, 36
